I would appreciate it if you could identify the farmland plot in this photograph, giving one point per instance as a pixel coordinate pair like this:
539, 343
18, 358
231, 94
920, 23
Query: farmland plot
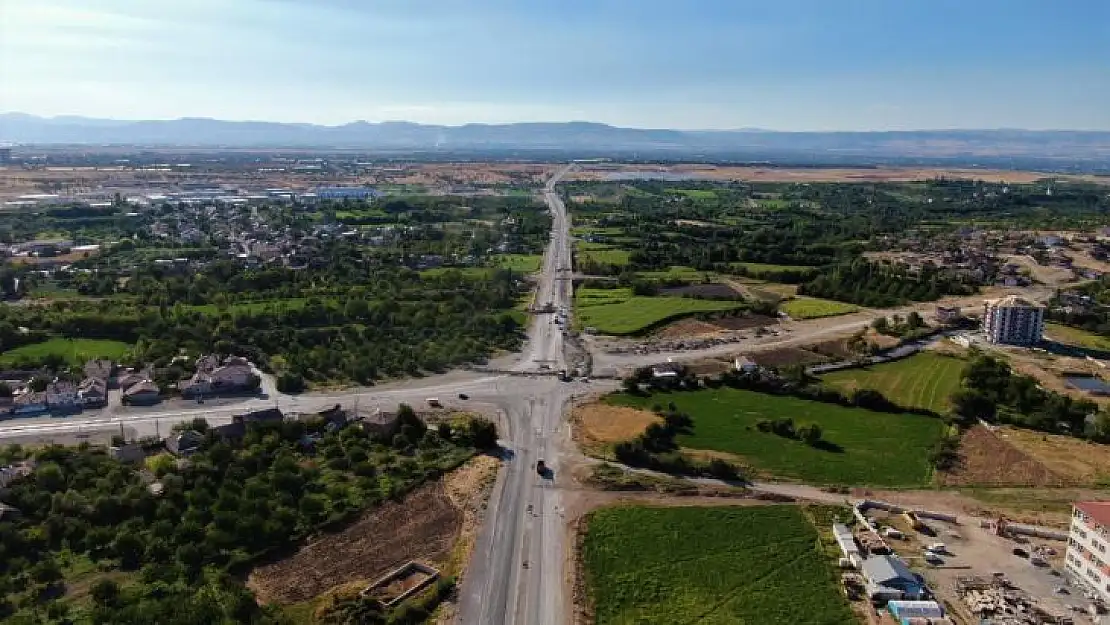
709, 565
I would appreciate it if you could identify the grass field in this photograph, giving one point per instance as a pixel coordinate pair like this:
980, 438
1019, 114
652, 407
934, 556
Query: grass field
811, 308
608, 256
867, 448
696, 194
75, 351
617, 311
711, 565
522, 263
925, 380
1075, 336
675, 272
291, 303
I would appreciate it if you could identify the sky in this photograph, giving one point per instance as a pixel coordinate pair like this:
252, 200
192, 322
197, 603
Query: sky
686, 64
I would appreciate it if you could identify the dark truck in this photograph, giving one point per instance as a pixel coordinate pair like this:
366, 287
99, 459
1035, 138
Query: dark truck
541, 467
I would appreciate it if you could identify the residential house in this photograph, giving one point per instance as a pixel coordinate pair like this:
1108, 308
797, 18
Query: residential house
100, 369
213, 377
380, 423
131, 378
744, 365
199, 385
143, 393
237, 429
13, 472
889, 579
93, 392
948, 314
666, 370
184, 443
62, 396
30, 402
131, 452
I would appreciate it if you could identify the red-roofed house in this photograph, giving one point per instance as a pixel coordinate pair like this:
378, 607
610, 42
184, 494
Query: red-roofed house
1088, 559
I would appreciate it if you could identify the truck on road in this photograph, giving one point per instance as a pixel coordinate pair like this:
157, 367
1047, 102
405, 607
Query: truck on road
541, 467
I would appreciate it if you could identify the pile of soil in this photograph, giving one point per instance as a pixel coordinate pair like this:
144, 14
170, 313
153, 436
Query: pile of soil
987, 460
422, 527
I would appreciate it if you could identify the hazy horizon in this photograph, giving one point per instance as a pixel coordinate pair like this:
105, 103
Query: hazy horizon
795, 65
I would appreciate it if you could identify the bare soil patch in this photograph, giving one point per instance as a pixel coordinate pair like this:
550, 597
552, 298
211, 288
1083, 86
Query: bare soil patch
422, 527
988, 460
714, 290
836, 349
786, 356
1076, 461
602, 423
688, 327
745, 322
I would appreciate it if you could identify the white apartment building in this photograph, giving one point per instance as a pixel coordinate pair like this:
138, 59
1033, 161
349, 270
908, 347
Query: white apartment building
1013, 321
1087, 557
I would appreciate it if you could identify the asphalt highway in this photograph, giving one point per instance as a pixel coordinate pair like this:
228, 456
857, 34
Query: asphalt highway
516, 573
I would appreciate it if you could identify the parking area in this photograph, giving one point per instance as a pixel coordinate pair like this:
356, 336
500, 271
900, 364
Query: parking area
971, 554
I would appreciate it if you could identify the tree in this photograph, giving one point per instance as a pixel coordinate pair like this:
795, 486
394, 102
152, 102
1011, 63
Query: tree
970, 406
105, 593
881, 325
39, 383
915, 321
483, 433
810, 433
289, 382
630, 385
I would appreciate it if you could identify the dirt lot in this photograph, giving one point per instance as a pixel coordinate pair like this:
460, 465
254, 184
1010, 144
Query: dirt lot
972, 550
786, 356
1075, 461
707, 291
684, 328
840, 174
745, 322
599, 423
423, 526
988, 460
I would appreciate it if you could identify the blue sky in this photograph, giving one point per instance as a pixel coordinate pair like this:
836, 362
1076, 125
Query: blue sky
781, 64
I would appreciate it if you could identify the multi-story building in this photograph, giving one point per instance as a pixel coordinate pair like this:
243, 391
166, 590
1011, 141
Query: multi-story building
1013, 321
1087, 559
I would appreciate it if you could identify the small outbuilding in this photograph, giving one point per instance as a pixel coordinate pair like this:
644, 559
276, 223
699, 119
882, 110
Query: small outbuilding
903, 611
889, 579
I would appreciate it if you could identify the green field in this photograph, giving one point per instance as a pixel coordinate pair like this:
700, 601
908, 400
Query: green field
812, 307
291, 303
1075, 336
869, 448
521, 263
756, 269
713, 566
695, 194
676, 273
607, 255
924, 380
617, 311
75, 351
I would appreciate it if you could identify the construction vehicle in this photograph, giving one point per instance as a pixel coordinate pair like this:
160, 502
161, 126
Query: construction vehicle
913, 521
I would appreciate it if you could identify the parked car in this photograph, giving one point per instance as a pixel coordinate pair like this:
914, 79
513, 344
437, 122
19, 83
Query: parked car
464, 396
1021, 553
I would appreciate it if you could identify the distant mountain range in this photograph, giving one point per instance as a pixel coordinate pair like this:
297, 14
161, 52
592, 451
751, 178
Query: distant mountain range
1065, 146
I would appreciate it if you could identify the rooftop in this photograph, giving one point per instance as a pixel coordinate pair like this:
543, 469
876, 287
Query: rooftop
1097, 511
1012, 301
